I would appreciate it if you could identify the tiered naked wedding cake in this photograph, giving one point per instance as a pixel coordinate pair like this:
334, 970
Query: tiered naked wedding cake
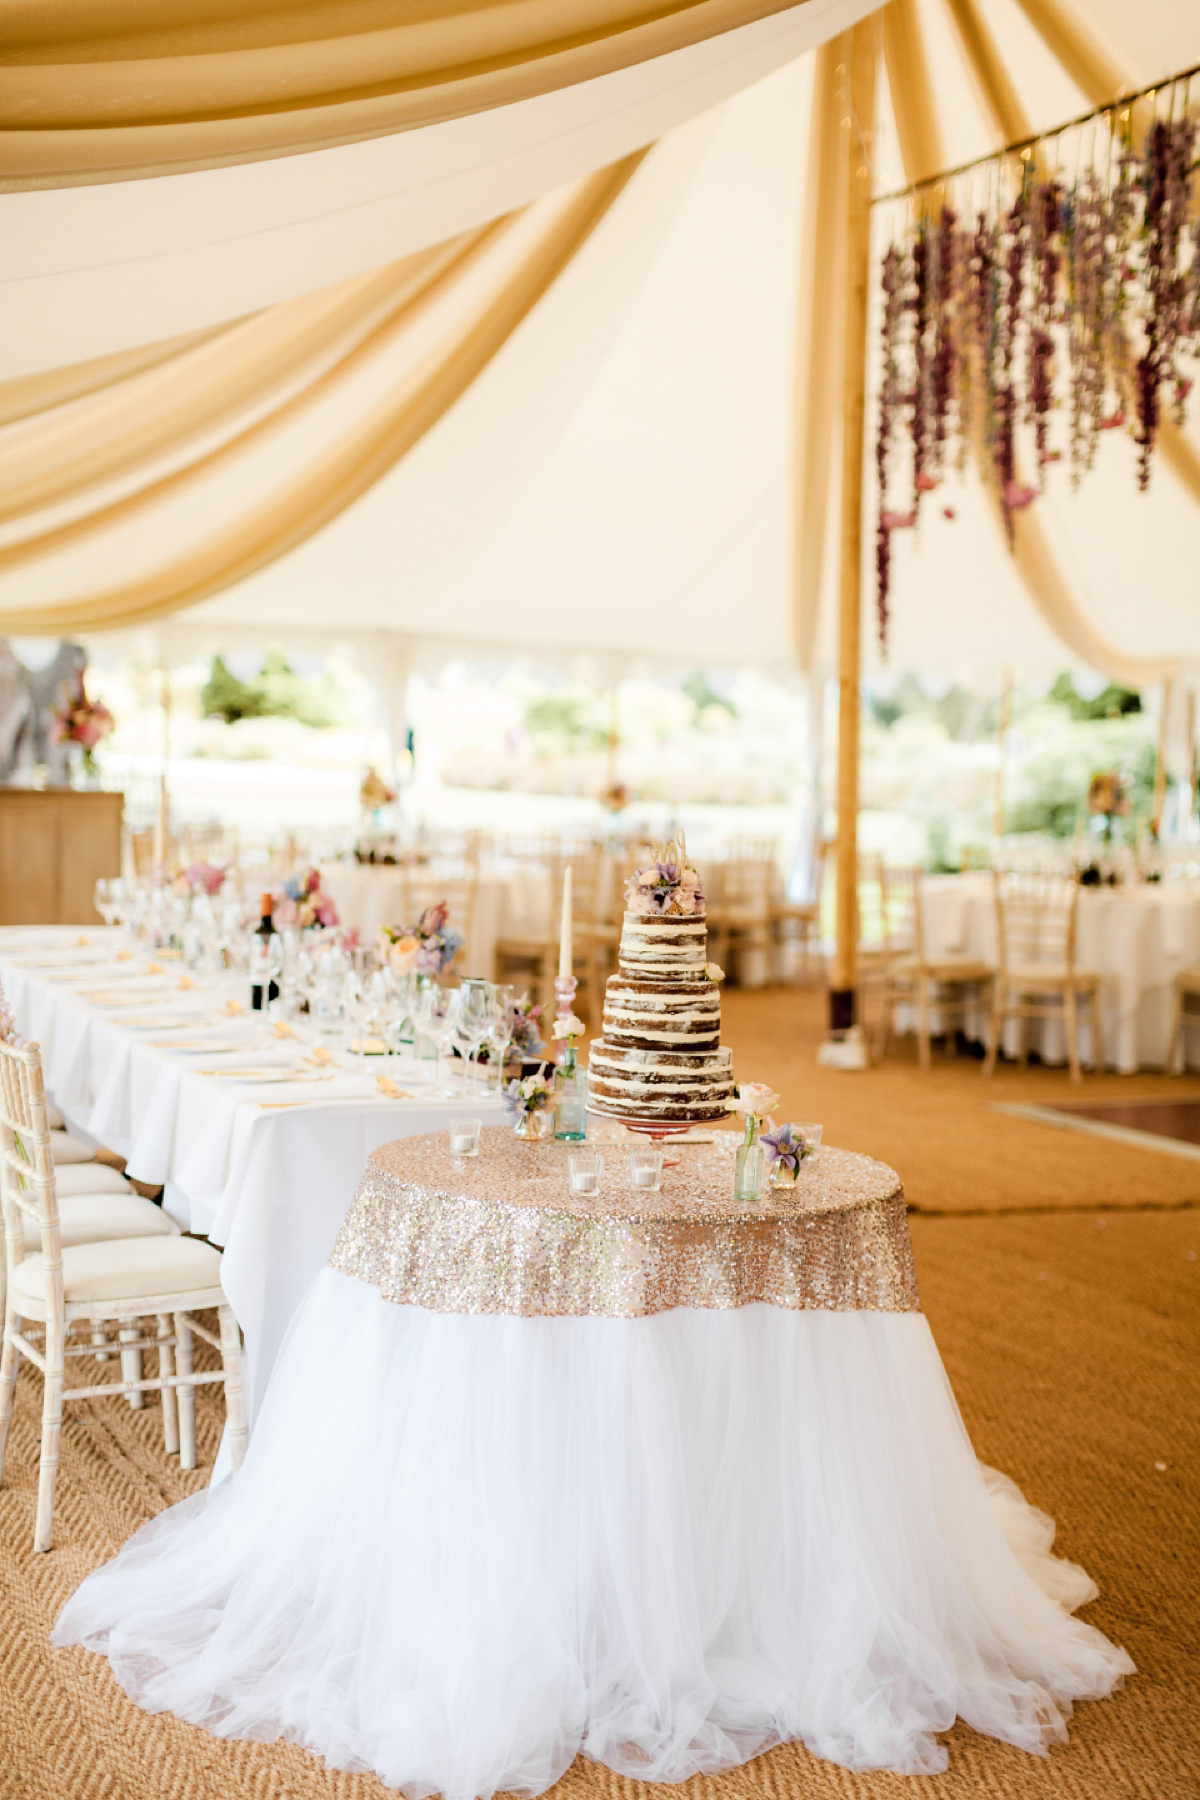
661, 1055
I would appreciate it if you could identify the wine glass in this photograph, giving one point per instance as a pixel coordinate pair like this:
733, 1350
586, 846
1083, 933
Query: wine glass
474, 1017
437, 1008
327, 1005
108, 896
499, 1034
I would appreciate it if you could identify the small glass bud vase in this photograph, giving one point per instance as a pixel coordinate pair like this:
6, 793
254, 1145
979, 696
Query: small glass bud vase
570, 1099
533, 1126
747, 1180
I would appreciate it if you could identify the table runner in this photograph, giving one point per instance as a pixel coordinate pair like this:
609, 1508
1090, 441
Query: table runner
502, 1233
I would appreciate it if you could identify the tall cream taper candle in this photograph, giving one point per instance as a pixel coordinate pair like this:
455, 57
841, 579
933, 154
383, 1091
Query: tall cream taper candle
566, 958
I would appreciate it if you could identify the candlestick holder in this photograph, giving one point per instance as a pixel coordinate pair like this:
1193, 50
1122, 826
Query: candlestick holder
564, 987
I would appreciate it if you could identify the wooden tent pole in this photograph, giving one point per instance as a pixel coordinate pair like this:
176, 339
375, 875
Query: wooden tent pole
858, 133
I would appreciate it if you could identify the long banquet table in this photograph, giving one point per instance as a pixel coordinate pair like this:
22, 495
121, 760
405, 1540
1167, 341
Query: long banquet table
265, 1170
662, 1478
1136, 937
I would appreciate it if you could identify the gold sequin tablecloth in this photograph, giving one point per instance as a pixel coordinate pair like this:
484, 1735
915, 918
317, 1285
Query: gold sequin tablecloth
502, 1233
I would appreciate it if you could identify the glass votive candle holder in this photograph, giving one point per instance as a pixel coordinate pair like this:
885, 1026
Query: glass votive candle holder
585, 1170
812, 1141
464, 1137
645, 1170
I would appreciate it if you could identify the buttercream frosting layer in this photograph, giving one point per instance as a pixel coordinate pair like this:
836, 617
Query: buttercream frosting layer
659, 1084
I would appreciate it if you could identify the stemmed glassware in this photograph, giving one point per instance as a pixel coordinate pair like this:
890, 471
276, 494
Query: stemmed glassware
328, 1000
474, 1017
499, 1035
437, 1009
108, 896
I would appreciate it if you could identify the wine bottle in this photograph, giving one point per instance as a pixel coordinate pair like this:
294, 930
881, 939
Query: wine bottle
266, 958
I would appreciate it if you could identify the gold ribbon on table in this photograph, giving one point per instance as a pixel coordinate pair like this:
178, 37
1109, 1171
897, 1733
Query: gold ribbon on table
502, 1234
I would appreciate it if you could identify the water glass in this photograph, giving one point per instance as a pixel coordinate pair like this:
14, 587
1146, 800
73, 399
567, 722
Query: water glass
464, 1137
645, 1170
585, 1171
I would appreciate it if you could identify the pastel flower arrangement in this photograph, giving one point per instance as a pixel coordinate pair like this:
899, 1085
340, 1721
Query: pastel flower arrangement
305, 905
426, 948
786, 1148
523, 1028
568, 1026
755, 1100
200, 878
531, 1095
374, 791
668, 888
79, 720
1108, 796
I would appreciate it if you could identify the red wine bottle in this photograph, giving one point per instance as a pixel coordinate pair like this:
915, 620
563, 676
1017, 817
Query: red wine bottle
266, 958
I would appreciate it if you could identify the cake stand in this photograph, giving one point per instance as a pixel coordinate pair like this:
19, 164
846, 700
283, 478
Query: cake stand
658, 1130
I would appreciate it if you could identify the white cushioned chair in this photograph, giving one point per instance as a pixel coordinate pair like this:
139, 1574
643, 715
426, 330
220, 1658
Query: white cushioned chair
67, 1149
99, 1218
71, 1179
157, 1275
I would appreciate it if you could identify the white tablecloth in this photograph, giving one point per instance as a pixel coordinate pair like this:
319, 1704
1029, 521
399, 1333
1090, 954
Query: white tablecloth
1136, 938
271, 1187
512, 900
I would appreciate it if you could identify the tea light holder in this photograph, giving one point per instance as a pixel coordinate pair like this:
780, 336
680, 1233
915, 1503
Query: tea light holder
464, 1137
584, 1170
812, 1141
645, 1169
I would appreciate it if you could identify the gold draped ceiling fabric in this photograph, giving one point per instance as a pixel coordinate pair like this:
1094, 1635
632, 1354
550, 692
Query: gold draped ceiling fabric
344, 471
110, 90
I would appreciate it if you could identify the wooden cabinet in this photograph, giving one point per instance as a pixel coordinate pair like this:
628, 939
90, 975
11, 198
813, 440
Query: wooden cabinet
54, 846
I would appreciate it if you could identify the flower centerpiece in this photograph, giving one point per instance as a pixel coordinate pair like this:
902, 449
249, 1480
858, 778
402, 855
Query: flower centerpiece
374, 791
426, 948
668, 888
1108, 798
785, 1148
524, 1021
527, 1104
305, 905
757, 1102
200, 878
81, 721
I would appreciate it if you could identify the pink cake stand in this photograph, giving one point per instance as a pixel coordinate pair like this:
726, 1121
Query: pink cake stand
658, 1130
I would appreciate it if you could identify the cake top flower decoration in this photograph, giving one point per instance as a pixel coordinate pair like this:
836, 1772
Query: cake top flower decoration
668, 887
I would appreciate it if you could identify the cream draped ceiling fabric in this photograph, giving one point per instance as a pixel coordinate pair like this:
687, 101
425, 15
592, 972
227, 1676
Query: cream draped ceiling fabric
571, 424
106, 90
328, 484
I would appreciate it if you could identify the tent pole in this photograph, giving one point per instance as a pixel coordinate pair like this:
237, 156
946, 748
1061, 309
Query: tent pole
162, 817
858, 130
1160, 757
998, 808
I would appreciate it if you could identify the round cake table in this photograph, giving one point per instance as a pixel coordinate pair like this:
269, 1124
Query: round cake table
662, 1478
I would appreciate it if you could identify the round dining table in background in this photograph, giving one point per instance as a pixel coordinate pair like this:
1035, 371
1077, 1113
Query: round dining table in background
1137, 937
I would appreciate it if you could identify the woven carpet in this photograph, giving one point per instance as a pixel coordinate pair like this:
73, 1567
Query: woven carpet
1072, 1338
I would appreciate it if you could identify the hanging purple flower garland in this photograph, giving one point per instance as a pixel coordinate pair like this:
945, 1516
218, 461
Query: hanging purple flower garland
1081, 296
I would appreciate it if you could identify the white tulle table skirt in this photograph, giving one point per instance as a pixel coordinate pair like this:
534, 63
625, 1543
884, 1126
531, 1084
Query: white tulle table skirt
462, 1549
